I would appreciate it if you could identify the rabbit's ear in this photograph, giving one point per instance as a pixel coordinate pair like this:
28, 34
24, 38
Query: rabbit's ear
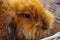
49, 18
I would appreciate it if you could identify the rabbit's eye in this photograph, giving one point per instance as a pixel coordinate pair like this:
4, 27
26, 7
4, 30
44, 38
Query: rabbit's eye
26, 16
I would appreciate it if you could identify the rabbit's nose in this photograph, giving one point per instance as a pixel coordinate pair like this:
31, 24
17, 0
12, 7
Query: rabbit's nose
44, 27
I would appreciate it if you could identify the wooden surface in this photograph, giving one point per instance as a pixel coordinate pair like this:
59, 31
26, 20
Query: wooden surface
55, 9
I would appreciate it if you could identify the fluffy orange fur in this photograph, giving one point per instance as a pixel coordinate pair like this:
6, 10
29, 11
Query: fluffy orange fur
34, 28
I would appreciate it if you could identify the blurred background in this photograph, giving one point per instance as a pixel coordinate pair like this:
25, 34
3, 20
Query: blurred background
54, 7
